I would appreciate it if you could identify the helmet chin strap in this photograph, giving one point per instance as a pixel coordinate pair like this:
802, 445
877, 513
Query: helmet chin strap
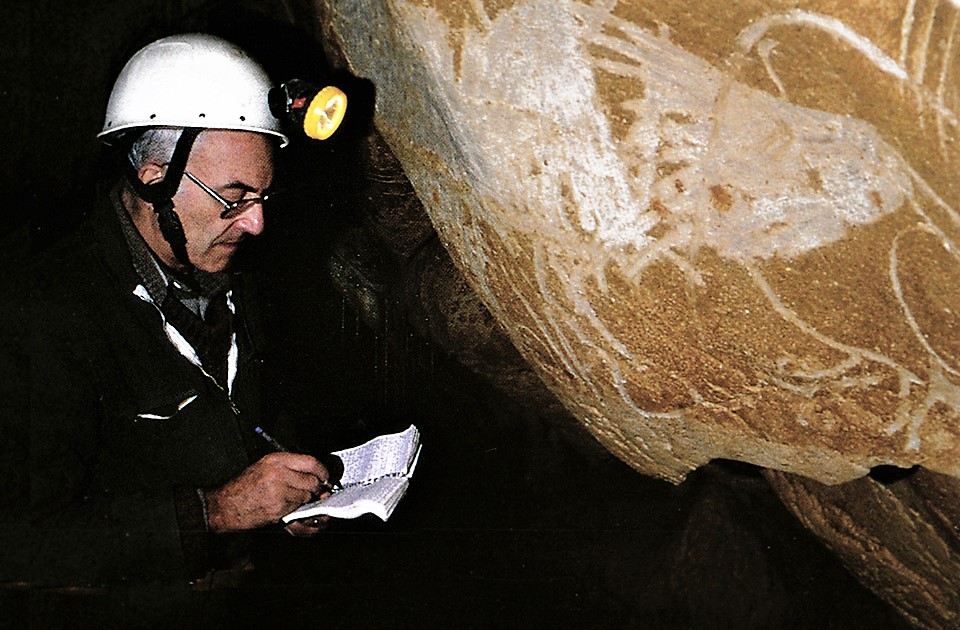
160, 195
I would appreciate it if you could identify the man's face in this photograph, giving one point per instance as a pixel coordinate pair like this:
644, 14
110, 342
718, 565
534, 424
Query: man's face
236, 165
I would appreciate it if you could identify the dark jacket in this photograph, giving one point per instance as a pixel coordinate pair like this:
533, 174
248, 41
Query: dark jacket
114, 463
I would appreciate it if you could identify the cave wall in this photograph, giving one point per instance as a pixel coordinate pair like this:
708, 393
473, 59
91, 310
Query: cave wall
900, 536
711, 234
714, 232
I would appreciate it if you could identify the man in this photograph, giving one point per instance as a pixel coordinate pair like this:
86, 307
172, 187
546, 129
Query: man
137, 350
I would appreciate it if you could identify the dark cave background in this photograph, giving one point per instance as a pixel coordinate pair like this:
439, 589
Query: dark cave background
509, 521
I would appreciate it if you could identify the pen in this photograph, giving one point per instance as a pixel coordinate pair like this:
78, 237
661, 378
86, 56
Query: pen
325, 486
277, 446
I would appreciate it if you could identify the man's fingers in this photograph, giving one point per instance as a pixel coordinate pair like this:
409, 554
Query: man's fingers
296, 498
306, 482
307, 526
300, 463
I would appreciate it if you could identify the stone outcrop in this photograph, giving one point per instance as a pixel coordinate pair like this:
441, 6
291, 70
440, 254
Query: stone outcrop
712, 234
902, 539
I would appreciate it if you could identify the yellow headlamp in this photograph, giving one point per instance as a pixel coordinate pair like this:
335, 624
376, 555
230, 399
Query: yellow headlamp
325, 113
318, 112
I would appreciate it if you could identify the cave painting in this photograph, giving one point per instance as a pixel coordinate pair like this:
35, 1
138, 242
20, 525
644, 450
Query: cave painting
715, 232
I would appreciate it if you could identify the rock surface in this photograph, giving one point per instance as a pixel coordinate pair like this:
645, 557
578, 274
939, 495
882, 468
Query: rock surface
712, 234
901, 539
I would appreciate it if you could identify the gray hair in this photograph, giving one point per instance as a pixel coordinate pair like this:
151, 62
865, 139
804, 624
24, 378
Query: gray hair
154, 146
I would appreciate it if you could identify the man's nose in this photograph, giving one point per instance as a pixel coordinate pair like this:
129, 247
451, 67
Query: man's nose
251, 221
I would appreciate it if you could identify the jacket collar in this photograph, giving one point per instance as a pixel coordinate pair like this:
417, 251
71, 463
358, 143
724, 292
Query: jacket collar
104, 233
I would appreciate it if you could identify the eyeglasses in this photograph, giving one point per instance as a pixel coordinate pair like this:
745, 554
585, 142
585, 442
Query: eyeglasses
231, 209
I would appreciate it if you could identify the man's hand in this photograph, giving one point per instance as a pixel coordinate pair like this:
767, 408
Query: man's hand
307, 527
265, 491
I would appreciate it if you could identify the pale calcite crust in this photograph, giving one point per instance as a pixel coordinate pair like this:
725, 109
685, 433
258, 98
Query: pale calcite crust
714, 231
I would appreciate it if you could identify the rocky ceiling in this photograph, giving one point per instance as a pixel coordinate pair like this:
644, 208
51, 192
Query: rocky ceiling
698, 230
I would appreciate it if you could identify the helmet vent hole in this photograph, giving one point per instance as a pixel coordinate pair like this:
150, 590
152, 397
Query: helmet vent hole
152, 116
243, 118
203, 115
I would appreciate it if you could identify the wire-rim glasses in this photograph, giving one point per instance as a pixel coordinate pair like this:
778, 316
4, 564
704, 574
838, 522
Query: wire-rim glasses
231, 209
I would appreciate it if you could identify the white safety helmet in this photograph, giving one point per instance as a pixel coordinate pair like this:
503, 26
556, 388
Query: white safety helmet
191, 80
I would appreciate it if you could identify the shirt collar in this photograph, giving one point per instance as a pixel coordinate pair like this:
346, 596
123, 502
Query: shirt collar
159, 279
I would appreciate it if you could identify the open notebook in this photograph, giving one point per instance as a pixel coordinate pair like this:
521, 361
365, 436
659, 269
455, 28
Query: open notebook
376, 475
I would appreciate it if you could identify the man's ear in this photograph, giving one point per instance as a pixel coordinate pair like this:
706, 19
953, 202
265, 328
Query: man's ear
151, 173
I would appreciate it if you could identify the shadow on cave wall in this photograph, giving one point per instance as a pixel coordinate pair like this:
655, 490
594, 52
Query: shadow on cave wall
516, 517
